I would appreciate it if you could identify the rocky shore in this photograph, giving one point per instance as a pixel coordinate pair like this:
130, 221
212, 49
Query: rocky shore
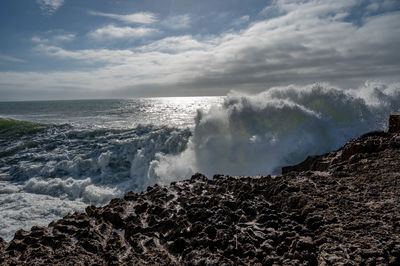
338, 208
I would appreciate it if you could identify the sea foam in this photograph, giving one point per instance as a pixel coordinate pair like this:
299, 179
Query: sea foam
258, 134
56, 169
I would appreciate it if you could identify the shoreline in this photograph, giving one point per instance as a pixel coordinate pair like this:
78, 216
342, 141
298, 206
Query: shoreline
340, 207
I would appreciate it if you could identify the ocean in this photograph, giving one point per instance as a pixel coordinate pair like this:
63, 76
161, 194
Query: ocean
57, 157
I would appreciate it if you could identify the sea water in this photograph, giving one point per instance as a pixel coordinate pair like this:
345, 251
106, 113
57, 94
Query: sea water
70, 154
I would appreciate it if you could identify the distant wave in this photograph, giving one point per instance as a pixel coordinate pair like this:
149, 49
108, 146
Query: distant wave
258, 134
10, 126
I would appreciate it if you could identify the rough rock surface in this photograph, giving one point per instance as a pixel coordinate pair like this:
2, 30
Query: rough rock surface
394, 123
339, 208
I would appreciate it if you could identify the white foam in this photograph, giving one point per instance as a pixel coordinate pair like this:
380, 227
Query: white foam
75, 166
57, 187
258, 134
245, 135
104, 159
99, 195
24, 210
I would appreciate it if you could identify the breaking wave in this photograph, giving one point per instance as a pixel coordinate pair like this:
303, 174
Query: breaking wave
48, 170
258, 134
48, 173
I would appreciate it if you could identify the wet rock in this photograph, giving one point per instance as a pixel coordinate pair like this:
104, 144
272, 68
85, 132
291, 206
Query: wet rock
338, 208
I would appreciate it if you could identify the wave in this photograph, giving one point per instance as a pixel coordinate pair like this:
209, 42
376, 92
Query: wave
245, 135
258, 134
90, 165
12, 127
58, 169
47, 171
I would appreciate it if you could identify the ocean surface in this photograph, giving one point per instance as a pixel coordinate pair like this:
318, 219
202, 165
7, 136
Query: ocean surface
57, 157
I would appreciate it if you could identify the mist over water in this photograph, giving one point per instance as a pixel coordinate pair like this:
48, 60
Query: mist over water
101, 149
258, 134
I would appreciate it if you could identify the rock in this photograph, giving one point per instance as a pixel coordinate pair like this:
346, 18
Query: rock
314, 163
178, 246
314, 222
337, 208
199, 177
304, 244
394, 123
130, 196
3, 244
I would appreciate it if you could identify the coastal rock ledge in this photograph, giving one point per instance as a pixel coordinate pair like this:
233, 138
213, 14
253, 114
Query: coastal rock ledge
338, 208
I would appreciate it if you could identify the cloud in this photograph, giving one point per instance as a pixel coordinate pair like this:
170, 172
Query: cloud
50, 6
38, 39
383, 5
11, 59
311, 41
135, 18
242, 20
89, 56
175, 45
64, 37
115, 32
178, 22
53, 38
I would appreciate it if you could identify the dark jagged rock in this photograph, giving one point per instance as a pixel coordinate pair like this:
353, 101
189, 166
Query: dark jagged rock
394, 123
3, 244
338, 208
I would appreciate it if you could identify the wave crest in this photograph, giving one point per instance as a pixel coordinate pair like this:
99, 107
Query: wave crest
258, 134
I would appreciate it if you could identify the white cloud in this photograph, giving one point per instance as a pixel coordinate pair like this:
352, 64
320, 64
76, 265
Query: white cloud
310, 42
38, 39
89, 56
50, 6
54, 38
141, 17
177, 22
11, 59
241, 20
115, 32
175, 45
64, 37
268, 9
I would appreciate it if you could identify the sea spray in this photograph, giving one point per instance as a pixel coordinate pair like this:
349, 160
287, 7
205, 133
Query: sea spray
58, 168
258, 134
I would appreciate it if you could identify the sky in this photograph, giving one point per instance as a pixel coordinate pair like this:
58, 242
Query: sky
86, 49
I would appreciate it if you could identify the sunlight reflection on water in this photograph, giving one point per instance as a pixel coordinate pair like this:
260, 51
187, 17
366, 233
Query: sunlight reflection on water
117, 114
